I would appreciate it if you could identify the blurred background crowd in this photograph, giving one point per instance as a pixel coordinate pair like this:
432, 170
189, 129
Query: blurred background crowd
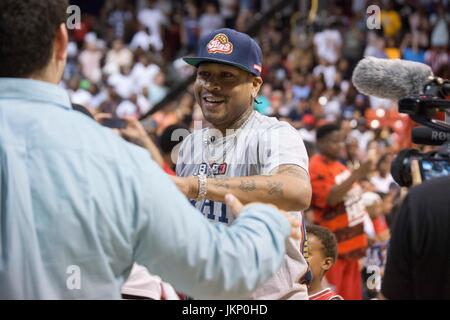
126, 60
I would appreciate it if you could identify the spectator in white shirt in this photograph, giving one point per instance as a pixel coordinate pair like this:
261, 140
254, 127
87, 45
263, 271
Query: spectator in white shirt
144, 72
90, 59
82, 96
210, 20
143, 101
119, 56
123, 83
141, 39
328, 70
382, 180
154, 19
128, 108
440, 22
328, 44
332, 106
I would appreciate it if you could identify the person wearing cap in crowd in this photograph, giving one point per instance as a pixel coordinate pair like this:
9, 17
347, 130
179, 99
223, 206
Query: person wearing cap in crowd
243, 152
308, 132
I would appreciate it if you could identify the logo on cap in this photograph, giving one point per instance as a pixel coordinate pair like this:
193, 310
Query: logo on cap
220, 44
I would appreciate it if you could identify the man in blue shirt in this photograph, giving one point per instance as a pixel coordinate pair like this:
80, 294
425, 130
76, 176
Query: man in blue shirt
79, 205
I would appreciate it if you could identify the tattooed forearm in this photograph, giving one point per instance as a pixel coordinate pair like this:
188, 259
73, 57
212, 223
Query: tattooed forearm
247, 185
222, 183
275, 188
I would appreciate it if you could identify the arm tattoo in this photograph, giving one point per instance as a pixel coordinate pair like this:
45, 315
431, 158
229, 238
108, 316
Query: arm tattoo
222, 182
275, 188
291, 170
247, 185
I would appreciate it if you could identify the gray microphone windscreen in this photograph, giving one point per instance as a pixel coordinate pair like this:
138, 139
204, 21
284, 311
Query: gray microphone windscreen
390, 78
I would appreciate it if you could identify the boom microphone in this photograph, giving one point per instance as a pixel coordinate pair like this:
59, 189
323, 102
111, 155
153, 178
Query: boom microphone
390, 78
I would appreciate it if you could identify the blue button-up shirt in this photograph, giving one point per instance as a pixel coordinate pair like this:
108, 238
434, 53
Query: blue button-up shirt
79, 205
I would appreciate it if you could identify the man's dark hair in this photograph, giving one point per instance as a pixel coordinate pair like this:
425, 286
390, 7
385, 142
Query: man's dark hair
27, 31
326, 129
166, 142
327, 238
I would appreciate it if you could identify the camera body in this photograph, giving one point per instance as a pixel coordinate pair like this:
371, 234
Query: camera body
423, 109
431, 165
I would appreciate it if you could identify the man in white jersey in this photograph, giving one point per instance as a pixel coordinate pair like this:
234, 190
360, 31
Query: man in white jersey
255, 157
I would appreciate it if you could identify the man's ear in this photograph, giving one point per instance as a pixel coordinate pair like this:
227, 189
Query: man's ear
257, 83
327, 264
61, 42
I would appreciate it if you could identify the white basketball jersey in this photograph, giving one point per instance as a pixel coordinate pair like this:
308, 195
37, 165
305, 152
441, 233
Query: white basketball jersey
260, 146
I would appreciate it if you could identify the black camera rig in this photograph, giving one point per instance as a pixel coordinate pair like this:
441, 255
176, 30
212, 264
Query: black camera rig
423, 109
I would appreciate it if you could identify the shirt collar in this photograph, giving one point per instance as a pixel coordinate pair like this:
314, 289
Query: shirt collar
34, 90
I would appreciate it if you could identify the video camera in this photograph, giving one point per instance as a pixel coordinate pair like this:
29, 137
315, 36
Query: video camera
424, 109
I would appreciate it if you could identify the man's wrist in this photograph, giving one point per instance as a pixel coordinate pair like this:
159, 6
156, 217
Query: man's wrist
146, 142
201, 187
193, 187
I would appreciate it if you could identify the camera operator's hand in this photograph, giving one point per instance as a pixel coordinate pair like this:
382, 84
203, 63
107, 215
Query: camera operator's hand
415, 172
363, 170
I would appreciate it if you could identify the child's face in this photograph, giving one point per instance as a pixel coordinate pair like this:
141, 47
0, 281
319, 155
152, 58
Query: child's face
318, 263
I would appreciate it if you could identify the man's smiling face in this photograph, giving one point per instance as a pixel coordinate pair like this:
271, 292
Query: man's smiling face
224, 92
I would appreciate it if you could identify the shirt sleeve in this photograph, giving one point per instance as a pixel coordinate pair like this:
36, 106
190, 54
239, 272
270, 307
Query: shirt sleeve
281, 145
397, 281
321, 185
201, 259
